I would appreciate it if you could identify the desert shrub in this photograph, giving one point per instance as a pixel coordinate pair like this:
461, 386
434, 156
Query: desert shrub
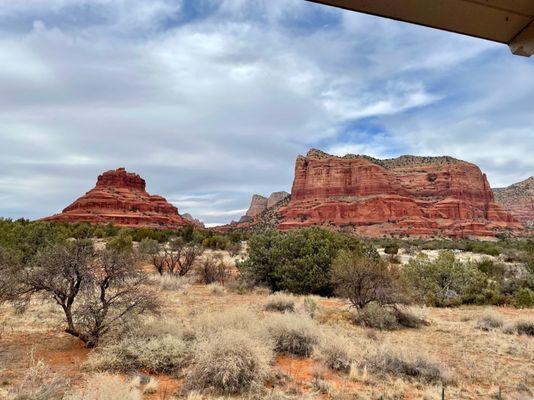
164, 354
293, 334
448, 282
406, 319
489, 322
213, 269
280, 302
377, 317
392, 249
336, 352
363, 280
387, 318
525, 328
524, 298
491, 268
108, 387
409, 363
217, 242
297, 261
230, 362
39, 383
122, 242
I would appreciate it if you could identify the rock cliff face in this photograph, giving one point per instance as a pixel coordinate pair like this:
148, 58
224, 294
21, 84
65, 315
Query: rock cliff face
260, 204
120, 197
518, 199
410, 195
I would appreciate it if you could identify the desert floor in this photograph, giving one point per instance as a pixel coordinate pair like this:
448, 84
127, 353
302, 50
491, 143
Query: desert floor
480, 361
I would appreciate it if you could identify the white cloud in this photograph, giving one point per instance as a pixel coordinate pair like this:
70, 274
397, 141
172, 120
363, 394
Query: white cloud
213, 107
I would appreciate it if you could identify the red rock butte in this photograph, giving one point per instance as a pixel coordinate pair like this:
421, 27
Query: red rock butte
119, 197
409, 195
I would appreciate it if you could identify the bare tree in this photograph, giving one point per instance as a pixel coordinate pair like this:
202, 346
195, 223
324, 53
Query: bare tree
116, 292
97, 291
213, 269
59, 272
363, 280
151, 250
176, 257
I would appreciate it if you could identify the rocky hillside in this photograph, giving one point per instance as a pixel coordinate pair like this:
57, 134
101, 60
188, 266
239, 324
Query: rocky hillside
120, 197
518, 199
408, 195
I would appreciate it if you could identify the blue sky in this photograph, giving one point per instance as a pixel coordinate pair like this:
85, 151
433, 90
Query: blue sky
212, 100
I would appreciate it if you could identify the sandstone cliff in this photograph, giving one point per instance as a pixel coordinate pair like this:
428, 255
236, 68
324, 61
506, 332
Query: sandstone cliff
120, 197
409, 195
518, 199
260, 204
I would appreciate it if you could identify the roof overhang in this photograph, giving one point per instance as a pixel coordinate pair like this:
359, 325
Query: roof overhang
505, 21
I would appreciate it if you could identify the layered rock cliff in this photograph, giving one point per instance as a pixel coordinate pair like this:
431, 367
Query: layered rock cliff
409, 195
518, 199
120, 197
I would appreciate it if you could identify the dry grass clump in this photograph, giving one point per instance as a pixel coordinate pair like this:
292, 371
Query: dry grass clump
165, 354
230, 362
293, 334
108, 387
525, 328
39, 383
336, 352
280, 302
170, 282
408, 363
489, 322
377, 317
384, 318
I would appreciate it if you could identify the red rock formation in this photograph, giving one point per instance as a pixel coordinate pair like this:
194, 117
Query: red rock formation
258, 204
120, 197
410, 195
518, 199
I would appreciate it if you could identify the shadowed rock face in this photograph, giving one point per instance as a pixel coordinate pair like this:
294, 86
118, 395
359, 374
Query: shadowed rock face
518, 199
120, 197
406, 195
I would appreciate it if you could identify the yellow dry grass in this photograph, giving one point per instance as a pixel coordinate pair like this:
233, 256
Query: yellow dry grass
480, 361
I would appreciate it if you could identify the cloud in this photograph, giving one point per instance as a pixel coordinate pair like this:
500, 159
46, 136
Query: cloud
211, 101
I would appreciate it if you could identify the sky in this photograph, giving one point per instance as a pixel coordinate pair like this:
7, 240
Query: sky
211, 101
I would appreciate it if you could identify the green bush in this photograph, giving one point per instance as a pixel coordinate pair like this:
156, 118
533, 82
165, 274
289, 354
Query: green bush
448, 282
524, 298
392, 248
298, 261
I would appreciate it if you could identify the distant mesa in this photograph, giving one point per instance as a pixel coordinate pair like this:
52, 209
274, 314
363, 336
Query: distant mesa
408, 195
119, 197
404, 196
518, 199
